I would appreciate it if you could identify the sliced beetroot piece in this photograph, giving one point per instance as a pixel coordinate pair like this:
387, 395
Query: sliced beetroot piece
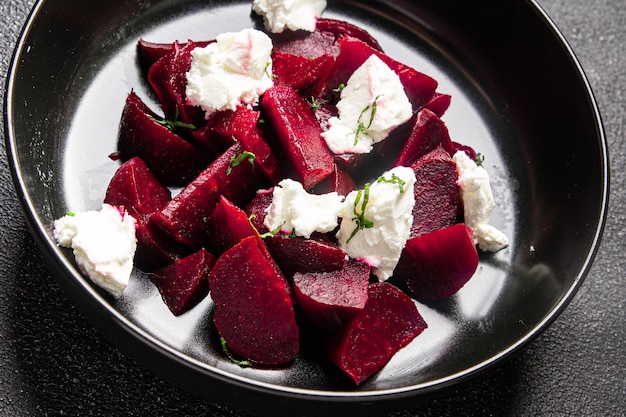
135, 188
168, 79
155, 248
419, 87
299, 135
469, 151
437, 193
241, 125
301, 73
184, 283
439, 103
172, 160
309, 45
226, 226
253, 306
184, 218
339, 181
257, 209
331, 300
342, 28
297, 254
428, 132
436, 265
151, 52
387, 323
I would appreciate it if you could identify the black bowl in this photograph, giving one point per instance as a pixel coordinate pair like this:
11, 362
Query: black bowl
519, 97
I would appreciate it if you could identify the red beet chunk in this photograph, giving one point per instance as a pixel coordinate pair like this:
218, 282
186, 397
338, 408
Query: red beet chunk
419, 87
332, 299
171, 159
298, 134
151, 52
168, 78
241, 125
184, 218
437, 194
342, 28
439, 103
309, 45
257, 209
184, 283
300, 73
135, 188
436, 265
295, 254
428, 132
253, 306
469, 151
226, 226
339, 181
387, 323
155, 248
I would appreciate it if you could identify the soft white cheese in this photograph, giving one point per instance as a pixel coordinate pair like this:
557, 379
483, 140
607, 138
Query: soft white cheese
478, 203
279, 15
295, 210
371, 105
103, 243
235, 69
389, 209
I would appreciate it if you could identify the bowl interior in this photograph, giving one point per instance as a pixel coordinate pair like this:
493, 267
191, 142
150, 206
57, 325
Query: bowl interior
519, 98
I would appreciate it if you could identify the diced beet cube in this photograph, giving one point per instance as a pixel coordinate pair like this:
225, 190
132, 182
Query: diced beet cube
184, 283
299, 135
171, 159
300, 73
309, 45
339, 181
438, 103
151, 52
155, 248
436, 265
469, 151
296, 254
428, 132
226, 226
437, 193
135, 188
332, 299
240, 125
253, 306
342, 28
257, 209
387, 323
184, 218
168, 78
419, 87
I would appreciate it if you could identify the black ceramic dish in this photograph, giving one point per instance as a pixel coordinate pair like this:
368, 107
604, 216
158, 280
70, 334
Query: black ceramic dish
519, 97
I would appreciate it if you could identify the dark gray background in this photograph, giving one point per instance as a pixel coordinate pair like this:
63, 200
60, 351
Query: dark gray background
53, 362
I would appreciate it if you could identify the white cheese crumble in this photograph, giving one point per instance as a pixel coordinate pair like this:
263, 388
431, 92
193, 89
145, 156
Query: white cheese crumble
235, 69
295, 210
279, 15
103, 243
371, 105
478, 203
388, 208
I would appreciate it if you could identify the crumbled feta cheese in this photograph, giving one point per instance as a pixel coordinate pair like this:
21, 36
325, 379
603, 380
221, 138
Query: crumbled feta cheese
478, 203
279, 15
388, 206
372, 104
235, 69
104, 245
294, 210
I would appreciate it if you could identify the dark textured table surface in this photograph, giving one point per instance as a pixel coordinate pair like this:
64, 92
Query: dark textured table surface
53, 362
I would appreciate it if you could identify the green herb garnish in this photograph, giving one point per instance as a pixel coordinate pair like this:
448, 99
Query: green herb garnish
359, 218
394, 180
362, 127
236, 159
480, 158
70, 213
173, 124
241, 362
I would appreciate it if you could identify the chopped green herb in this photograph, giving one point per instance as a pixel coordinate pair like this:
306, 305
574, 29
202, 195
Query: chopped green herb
316, 104
339, 89
236, 159
359, 218
273, 232
173, 124
70, 213
361, 128
241, 362
394, 180
480, 158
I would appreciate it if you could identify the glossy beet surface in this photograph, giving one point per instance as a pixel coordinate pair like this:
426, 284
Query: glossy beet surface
546, 154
